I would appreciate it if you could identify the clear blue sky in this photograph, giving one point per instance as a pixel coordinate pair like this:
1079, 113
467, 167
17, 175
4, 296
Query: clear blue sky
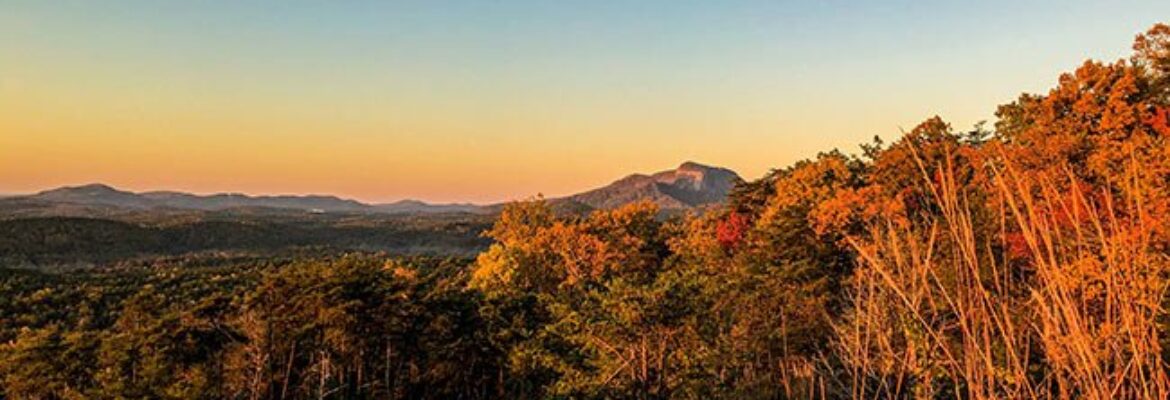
485, 101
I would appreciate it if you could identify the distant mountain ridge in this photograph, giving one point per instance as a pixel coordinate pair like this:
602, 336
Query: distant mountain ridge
100, 194
691, 185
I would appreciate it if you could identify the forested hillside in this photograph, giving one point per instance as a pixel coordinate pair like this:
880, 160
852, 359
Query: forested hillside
1023, 259
55, 242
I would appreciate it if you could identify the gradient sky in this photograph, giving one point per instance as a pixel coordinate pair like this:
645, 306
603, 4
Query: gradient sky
493, 100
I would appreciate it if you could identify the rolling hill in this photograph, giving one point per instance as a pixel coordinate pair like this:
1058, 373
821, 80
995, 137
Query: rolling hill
691, 185
100, 195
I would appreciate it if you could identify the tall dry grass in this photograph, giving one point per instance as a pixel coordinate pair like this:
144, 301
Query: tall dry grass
1060, 299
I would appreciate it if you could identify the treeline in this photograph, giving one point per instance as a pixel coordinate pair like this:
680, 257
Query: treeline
1024, 260
357, 326
56, 241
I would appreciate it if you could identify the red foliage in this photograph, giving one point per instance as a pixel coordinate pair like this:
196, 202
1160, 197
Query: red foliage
1160, 120
731, 230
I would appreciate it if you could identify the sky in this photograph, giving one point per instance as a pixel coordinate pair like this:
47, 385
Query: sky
484, 101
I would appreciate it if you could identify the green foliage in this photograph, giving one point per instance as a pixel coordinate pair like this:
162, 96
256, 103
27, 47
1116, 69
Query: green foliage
57, 241
358, 326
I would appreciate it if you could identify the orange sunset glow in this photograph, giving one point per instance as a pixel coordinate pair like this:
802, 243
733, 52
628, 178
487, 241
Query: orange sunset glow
379, 104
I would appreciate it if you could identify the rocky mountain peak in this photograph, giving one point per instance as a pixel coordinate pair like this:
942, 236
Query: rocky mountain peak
690, 185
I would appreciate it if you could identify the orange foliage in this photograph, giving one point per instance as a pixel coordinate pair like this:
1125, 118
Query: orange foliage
536, 250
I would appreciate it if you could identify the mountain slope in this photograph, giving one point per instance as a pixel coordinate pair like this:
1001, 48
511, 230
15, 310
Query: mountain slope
93, 194
418, 207
690, 185
234, 200
103, 195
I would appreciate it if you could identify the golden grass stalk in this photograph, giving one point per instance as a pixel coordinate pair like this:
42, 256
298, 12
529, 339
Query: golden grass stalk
943, 308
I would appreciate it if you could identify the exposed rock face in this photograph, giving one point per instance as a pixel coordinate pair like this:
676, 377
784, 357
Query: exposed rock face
688, 186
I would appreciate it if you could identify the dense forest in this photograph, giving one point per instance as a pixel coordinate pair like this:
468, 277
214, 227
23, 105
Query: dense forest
64, 242
1026, 259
